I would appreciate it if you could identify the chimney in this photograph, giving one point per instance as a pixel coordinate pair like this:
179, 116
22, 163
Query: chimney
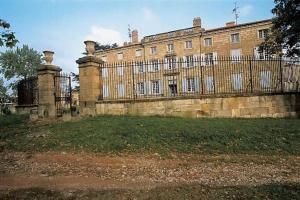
197, 22
230, 24
135, 36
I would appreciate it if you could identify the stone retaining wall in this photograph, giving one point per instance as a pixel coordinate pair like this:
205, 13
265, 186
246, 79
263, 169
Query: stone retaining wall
275, 106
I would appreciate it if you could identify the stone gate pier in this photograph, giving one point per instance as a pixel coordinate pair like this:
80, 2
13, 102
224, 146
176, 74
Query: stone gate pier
46, 88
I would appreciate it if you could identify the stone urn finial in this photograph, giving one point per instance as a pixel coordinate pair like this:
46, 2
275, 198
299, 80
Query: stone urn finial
48, 56
89, 47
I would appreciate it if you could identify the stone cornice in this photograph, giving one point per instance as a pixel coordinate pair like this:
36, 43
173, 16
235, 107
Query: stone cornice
87, 59
47, 67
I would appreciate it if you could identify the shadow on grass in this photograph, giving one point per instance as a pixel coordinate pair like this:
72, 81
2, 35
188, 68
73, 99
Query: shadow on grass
271, 191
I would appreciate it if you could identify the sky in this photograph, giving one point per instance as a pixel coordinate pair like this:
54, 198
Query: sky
62, 25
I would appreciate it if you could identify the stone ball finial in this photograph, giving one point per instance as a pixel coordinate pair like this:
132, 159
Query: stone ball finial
90, 47
48, 56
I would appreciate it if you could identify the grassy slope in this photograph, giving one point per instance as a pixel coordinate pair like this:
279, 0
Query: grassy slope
154, 134
272, 191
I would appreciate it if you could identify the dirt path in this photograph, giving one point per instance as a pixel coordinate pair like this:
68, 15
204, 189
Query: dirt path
81, 171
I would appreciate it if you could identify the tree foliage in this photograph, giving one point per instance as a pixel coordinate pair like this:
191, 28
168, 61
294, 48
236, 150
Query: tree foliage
20, 62
103, 47
7, 37
3, 92
285, 32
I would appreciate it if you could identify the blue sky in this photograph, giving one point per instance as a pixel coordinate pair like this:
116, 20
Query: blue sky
63, 25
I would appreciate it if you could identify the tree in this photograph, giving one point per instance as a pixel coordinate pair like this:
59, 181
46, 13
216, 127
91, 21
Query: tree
3, 92
19, 63
75, 78
103, 47
7, 37
285, 33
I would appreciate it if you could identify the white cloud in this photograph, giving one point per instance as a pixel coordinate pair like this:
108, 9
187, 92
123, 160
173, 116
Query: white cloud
104, 35
149, 15
246, 10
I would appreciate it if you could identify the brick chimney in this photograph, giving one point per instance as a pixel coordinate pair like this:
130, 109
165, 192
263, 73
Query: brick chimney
197, 22
230, 24
135, 36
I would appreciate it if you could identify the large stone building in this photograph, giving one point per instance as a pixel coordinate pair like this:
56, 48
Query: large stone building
168, 63
230, 40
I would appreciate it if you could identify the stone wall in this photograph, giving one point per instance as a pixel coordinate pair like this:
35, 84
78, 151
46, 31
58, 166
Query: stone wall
275, 106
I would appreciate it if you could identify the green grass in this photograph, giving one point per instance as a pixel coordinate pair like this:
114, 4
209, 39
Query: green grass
154, 134
271, 191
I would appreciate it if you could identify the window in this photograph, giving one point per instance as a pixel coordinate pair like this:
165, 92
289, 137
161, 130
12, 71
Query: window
119, 56
190, 82
140, 67
104, 58
189, 61
207, 42
209, 59
121, 90
235, 38
209, 83
120, 71
104, 72
170, 63
237, 81
105, 91
262, 34
170, 47
140, 88
155, 87
155, 65
188, 44
261, 55
235, 54
138, 52
265, 79
153, 50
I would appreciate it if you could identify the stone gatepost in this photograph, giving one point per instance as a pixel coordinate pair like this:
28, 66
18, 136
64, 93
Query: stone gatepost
46, 73
90, 80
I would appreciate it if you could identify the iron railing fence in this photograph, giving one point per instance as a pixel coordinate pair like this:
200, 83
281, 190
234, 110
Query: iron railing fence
197, 76
27, 90
62, 93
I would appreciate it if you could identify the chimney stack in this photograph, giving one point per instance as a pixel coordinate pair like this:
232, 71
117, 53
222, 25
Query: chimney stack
135, 36
197, 22
230, 24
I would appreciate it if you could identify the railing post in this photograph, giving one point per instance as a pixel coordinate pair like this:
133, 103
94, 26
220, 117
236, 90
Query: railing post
251, 80
281, 78
214, 78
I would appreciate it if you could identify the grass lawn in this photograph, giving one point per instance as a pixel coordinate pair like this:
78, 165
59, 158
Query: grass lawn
152, 134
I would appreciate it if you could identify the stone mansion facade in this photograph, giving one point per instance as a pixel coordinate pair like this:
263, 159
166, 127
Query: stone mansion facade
167, 64
231, 40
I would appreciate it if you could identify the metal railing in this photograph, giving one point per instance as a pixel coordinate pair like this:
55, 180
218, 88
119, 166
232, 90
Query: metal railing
193, 76
27, 90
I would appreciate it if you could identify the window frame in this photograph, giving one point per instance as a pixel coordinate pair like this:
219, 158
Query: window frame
151, 52
208, 38
120, 53
188, 42
170, 50
136, 52
231, 38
